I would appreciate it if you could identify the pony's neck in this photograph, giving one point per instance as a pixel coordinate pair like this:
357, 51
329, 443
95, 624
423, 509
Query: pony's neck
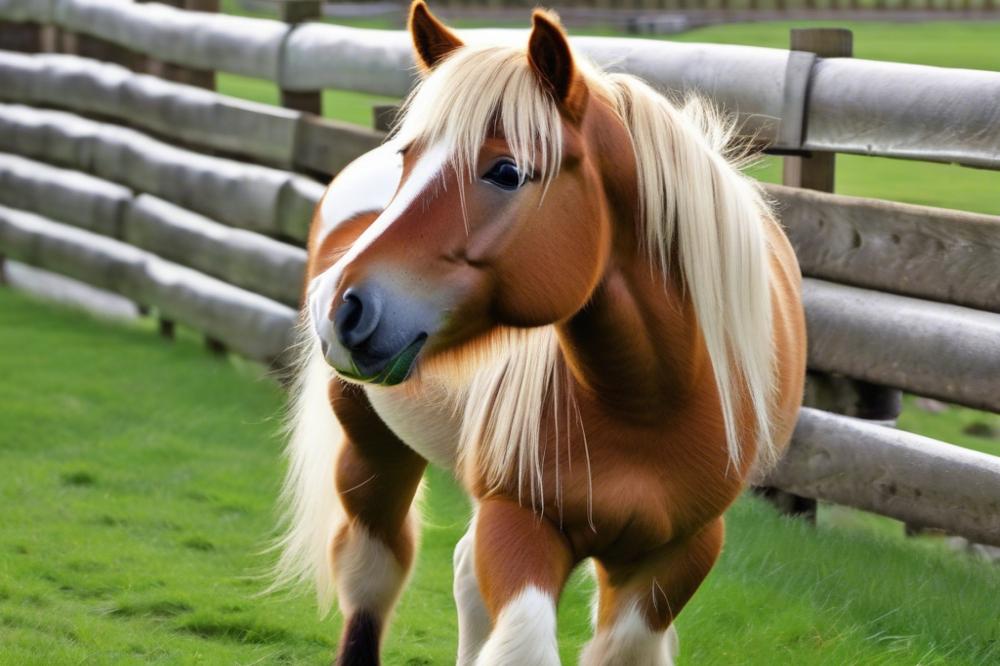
636, 345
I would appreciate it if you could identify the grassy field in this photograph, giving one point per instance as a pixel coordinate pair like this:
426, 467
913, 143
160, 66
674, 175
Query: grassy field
945, 44
140, 476
138, 489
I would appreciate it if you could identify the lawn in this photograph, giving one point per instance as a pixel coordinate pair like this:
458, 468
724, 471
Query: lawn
138, 489
140, 477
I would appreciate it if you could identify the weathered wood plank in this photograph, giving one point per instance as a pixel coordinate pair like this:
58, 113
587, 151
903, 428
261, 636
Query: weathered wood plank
248, 323
207, 41
242, 258
200, 77
908, 477
87, 46
24, 37
878, 108
28, 11
384, 116
296, 206
248, 196
328, 146
817, 171
295, 12
917, 112
99, 261
262, 132
933, 253
63, 194
938, 350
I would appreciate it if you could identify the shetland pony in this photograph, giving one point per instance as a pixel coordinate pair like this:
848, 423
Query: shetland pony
551, 281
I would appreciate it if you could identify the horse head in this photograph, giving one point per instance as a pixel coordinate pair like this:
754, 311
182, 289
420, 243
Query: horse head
499, 218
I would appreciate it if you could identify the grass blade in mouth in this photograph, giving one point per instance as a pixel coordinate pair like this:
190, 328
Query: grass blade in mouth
399, 367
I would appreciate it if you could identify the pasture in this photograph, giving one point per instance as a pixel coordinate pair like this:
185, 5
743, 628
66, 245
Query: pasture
138, 486
140, 476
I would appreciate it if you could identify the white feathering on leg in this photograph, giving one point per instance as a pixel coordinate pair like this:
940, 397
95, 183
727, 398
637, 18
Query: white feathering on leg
525, 633
630, 642
367, 573
473, 617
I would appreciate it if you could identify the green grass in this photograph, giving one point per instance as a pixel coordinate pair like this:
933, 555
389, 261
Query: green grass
138, 490
140, 477
955, 426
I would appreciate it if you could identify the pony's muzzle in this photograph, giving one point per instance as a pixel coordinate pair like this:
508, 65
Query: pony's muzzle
357, 317
381, 331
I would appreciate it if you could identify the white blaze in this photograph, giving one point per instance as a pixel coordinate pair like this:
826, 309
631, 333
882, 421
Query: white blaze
365, 185
324, 286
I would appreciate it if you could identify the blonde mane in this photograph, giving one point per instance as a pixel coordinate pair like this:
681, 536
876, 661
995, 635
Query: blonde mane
695, 204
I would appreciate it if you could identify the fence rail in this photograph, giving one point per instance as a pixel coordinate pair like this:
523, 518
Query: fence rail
933, 253
830, 104
933, 349
196, 204
219, 309
270, 201
909, 477
607, 8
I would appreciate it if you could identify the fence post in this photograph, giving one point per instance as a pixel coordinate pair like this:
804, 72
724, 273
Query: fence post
23, 37
294, 12
167, 328
383, 116
215, 346
816, 171
178, 73
189, 76
201, 78
53, 39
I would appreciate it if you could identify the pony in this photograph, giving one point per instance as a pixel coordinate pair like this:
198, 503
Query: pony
554, 282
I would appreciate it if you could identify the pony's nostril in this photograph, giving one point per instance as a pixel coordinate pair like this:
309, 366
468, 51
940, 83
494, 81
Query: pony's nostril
357, 317
352, 309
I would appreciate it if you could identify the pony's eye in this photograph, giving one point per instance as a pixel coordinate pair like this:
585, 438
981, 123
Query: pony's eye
505, 175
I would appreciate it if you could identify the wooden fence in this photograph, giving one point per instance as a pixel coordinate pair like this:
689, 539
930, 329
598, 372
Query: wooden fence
733, 5
672, 16
195, 205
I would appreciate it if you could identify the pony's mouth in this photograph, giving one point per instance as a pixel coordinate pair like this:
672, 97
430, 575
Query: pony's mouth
386, 372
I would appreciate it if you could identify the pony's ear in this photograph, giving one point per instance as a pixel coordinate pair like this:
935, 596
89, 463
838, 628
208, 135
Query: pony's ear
432, 40
552, 62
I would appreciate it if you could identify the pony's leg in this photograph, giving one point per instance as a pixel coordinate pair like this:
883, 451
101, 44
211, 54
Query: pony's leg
473, 618
521, 562
377, 476
637, 603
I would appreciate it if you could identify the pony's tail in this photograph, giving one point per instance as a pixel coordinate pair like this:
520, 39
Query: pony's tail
312, 510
